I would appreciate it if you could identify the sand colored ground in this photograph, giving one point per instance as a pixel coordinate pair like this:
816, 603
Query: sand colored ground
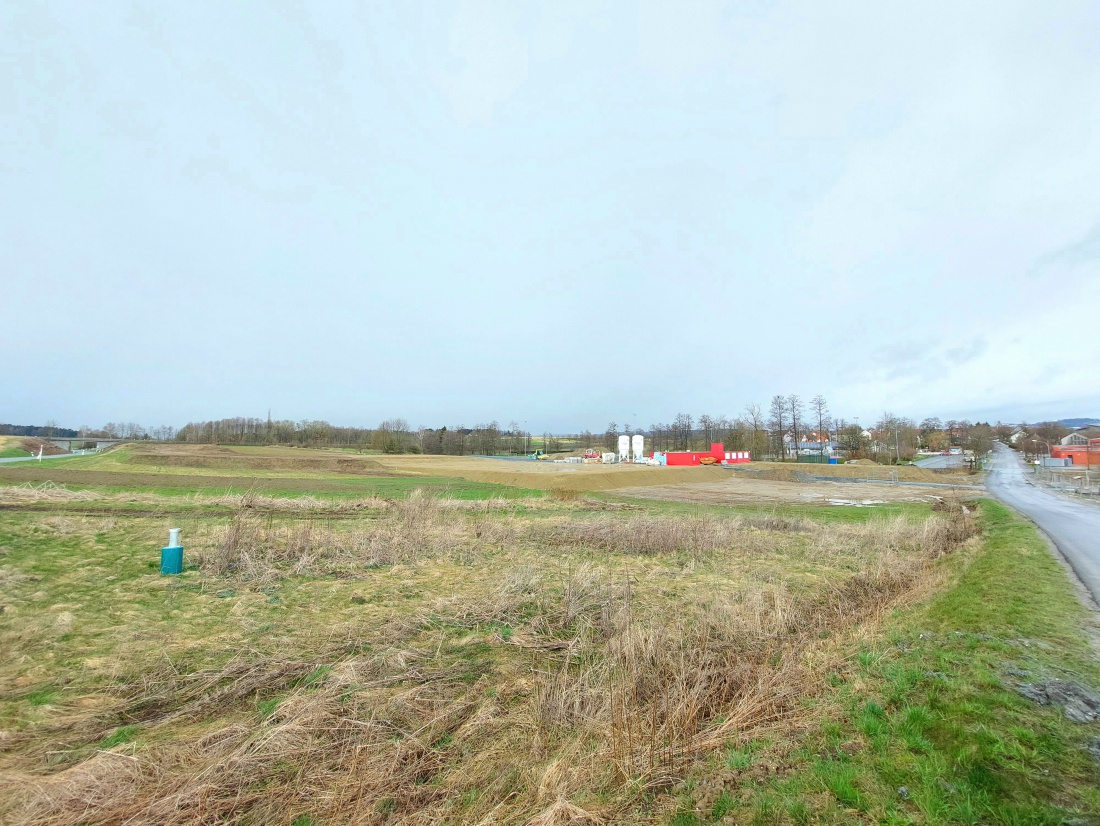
785, 482
547, 475
739, 489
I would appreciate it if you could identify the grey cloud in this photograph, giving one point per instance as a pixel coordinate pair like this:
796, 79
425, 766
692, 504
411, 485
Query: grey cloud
967, 352
1086, 250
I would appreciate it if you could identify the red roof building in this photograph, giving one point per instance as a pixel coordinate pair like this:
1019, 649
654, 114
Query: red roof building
1084, 455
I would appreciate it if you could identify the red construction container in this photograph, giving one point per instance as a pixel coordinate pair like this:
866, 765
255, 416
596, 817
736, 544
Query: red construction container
717, 454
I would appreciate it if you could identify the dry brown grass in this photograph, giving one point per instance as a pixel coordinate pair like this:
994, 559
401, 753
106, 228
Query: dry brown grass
255, 546
559, 688
31, 494
47, 493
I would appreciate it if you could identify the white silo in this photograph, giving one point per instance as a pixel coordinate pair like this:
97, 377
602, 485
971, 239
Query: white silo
624, 448
637, 447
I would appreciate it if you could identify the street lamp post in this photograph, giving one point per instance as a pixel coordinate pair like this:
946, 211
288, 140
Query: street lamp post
1041, 442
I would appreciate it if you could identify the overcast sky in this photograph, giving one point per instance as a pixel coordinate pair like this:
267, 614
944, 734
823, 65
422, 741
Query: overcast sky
555, 213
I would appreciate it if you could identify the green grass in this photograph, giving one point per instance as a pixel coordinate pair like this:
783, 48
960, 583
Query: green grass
44, 696
925, 727
926, 706
14, 453
827, 515
334, 488
123, 734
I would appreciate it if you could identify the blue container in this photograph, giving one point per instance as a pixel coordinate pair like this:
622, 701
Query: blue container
833, 461
171, 560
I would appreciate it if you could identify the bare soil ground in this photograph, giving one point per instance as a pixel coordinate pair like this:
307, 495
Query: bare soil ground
547, 475
29, 444
277, 459
739, 489
212, 466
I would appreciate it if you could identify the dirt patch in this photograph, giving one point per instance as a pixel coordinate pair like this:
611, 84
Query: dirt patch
792, 472
31, 445
744, 489
546, 475
215, 457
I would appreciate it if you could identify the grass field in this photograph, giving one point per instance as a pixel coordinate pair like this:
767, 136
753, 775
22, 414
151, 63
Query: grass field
11, 447
401, 649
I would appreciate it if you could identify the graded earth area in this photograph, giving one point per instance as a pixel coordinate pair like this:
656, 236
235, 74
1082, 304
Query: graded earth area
739, 490
535, 474
333, 471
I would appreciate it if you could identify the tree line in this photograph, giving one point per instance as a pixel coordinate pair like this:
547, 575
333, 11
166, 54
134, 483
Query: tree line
47, 430
390, 436
789, 427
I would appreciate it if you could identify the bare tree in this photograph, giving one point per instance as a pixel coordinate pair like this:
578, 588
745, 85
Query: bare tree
796, 412
683, 426
611, 437
896, 436
778, 421
821, 410
980, 441
707, 425
391, 436
851, 439
658, 436
754, 417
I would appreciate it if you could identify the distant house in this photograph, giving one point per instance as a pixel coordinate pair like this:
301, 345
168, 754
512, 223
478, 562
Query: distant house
1086, 454
814, 448
1081, 436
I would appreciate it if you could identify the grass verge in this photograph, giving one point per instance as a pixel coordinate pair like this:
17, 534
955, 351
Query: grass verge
421, 660
925, 726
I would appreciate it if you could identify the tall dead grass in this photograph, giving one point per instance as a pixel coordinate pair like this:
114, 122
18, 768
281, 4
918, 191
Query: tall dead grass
684, 681
649, 535
590, 701
258, 546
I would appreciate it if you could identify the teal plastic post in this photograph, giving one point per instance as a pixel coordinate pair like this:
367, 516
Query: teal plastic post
171, 560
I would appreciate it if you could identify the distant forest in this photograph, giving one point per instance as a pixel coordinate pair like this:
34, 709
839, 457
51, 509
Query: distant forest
36, 430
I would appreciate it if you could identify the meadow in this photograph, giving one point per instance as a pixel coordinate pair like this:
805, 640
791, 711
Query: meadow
350, 644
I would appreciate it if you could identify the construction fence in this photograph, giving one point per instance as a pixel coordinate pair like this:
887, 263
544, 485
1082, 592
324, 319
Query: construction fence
1080, 480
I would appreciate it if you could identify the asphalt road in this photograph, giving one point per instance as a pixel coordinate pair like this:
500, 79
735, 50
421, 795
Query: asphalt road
942, 461
35, 457
1073, 526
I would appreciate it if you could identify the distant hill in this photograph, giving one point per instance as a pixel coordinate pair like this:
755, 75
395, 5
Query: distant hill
1078, 422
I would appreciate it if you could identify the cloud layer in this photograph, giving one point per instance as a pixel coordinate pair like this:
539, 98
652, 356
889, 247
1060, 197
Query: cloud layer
555, 213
